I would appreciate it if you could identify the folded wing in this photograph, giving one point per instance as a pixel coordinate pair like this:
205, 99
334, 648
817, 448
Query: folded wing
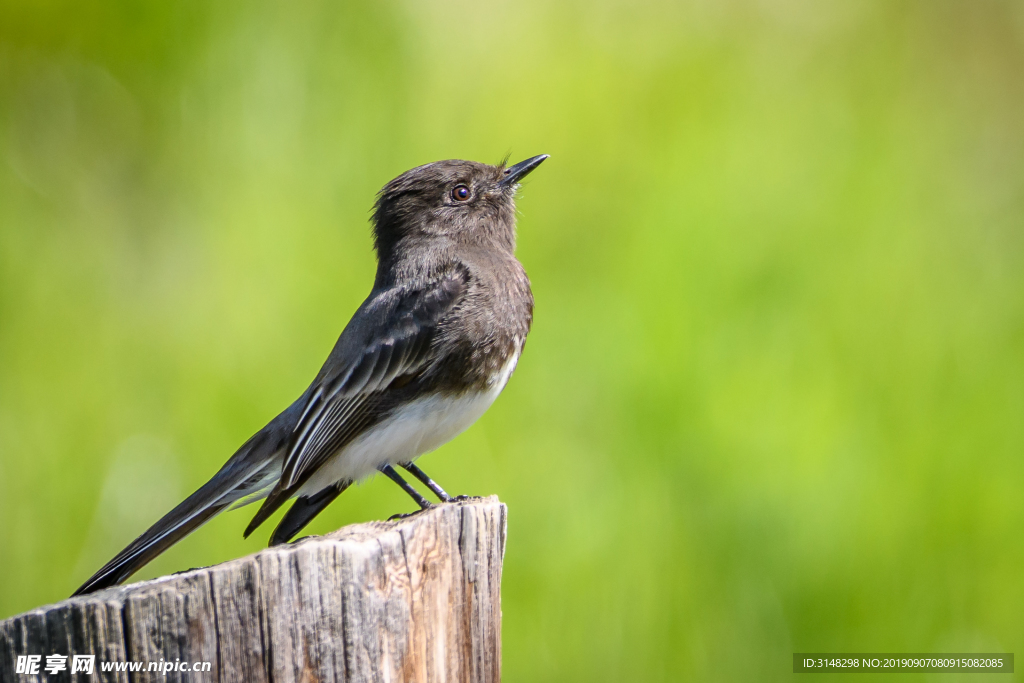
390, 340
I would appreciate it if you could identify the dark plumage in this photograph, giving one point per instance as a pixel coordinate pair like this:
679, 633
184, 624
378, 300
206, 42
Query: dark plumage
426, 353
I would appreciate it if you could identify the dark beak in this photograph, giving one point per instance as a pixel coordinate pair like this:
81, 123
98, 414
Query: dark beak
513, 174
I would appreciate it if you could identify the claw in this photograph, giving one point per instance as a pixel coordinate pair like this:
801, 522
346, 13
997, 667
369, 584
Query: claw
403, 515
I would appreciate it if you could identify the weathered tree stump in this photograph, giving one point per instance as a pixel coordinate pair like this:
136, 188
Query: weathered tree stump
413, 600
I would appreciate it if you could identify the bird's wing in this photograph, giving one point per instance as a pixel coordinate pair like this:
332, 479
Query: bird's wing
397, 343
389, 339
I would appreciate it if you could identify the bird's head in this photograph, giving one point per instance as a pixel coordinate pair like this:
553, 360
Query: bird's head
464, 202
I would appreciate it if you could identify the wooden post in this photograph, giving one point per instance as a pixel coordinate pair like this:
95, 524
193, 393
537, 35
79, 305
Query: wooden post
412, 600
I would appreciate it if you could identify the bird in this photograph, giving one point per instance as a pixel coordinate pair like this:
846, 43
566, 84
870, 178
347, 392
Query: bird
423, 357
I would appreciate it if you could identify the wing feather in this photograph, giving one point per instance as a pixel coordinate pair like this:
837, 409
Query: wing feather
404, 323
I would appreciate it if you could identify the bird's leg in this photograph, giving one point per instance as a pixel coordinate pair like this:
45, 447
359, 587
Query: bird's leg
413, 493
427, 481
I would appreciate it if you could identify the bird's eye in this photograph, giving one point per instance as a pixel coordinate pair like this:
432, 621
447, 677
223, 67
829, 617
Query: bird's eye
460, 193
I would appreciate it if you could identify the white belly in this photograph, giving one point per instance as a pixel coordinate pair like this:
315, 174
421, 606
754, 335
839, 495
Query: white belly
417, 428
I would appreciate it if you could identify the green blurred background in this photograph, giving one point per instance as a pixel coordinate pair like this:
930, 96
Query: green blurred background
773, 400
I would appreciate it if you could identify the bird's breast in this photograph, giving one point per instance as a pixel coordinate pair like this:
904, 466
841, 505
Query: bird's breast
413, 428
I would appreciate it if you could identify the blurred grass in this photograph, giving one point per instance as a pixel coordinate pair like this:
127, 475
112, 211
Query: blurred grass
773, 397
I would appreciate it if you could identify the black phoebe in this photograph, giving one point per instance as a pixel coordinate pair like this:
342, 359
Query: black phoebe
424, 356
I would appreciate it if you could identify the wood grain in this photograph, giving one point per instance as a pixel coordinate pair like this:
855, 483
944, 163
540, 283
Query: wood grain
412, 600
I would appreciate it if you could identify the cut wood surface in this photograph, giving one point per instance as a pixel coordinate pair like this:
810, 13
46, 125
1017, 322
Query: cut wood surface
417, 599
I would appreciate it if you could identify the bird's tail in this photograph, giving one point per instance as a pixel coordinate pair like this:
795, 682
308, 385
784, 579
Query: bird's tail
254, 467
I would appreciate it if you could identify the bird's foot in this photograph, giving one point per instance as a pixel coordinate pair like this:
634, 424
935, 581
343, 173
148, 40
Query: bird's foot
404, 515
454, 499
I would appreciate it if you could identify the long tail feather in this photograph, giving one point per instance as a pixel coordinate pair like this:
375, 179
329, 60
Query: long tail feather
303, 510
237, 479
277, 497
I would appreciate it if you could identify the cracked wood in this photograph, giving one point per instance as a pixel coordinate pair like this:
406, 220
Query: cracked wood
412, 600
